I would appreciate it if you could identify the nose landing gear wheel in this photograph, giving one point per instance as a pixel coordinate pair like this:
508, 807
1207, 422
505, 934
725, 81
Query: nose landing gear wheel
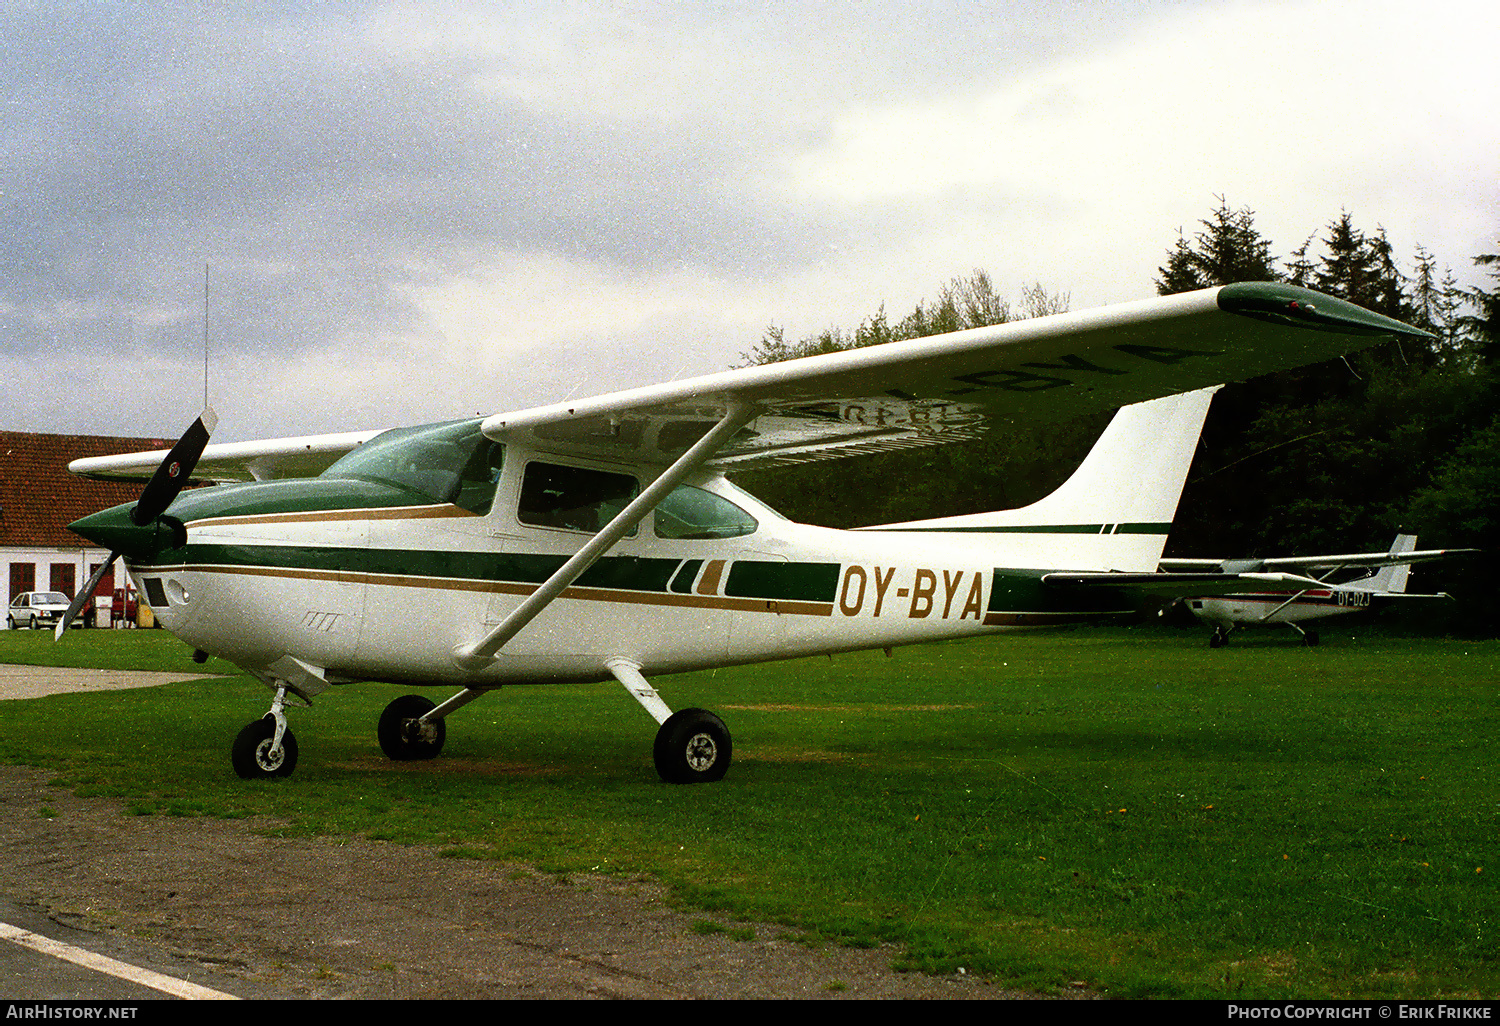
254, 756
692, 747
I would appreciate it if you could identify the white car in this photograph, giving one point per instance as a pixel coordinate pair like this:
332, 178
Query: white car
38, 609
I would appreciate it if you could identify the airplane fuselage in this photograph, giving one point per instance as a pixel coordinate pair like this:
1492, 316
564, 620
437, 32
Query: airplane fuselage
386, 592
1227, 611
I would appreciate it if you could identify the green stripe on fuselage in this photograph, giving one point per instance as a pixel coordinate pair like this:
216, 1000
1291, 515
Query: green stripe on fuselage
806, 582
627, 572
1037, 529
292, 496
775, 579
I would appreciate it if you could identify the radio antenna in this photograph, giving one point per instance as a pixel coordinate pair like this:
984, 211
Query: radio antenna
205, 336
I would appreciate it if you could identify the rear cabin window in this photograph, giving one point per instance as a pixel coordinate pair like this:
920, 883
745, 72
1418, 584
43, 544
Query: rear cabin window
574, 498
690, 512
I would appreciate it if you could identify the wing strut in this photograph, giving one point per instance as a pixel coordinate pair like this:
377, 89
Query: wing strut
1294, 598
475, 656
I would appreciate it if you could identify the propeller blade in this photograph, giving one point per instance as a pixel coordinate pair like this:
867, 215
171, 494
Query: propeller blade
83, 596
175, 470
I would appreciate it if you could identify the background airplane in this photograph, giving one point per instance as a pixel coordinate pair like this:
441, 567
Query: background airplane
1380, 577
601, 539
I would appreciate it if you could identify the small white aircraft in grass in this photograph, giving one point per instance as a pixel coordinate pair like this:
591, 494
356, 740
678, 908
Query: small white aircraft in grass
599, 538
1331, 594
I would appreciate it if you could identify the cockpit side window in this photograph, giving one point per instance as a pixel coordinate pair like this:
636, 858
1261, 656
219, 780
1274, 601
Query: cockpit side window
689, 512
445, 462
575, 498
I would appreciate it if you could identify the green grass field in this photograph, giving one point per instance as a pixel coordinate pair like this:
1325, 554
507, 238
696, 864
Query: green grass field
1123, 808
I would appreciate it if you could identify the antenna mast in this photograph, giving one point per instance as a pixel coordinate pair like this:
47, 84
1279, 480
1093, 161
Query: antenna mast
205, 336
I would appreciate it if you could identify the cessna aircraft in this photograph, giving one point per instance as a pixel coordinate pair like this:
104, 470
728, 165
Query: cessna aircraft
1386, 583
599, 538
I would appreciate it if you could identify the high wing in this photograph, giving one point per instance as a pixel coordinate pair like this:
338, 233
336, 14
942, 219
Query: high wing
949, 388
925, 391
307, 456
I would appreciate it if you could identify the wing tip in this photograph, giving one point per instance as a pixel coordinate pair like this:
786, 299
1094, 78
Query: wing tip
1281, 303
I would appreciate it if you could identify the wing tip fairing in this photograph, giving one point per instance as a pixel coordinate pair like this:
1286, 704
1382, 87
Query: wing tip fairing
1280, 303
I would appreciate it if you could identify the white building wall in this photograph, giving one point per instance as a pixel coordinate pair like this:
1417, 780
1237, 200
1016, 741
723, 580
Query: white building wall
43, 559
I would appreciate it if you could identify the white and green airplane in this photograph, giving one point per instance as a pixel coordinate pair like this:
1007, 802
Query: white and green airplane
600, 539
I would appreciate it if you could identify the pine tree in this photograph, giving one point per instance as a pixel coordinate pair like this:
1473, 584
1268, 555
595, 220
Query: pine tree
1229, 249
1435, 300
1483, 327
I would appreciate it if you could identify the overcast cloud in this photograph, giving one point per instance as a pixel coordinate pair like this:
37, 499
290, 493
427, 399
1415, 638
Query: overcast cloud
413, 212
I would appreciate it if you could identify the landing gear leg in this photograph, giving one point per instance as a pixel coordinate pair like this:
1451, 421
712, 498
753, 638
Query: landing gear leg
1309, 638
266, 749
692, 746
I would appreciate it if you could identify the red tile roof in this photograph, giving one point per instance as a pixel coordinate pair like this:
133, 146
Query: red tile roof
39, 498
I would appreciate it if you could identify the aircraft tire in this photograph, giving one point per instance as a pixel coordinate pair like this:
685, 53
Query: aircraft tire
394, 739
1216, 640
692, 747
252, 756
1311, 639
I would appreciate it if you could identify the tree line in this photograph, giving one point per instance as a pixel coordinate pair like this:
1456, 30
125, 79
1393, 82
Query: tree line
1336, 457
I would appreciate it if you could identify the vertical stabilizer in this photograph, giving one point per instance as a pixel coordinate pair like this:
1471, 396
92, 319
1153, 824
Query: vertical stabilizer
1116, 509
1393, 578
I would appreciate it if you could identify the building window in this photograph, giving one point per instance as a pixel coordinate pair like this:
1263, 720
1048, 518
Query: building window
62, 578
22, 579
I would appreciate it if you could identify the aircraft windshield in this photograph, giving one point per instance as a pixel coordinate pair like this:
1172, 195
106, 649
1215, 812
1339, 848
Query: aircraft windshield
450, 462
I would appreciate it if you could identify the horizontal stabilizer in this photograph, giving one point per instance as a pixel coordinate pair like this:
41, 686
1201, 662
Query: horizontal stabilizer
1181, 585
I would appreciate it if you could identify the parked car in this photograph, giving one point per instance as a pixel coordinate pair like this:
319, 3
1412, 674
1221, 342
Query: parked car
38, 609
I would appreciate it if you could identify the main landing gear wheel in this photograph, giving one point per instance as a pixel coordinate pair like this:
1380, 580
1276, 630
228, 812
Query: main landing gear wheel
254, 756
1218, 639
403, 736
692, 747
1310, 638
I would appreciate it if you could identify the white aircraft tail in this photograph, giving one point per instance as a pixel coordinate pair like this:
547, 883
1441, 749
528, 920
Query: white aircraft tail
1393, 578
1116, 509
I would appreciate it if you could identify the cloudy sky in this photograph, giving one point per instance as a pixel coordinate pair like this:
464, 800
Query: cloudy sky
412, 211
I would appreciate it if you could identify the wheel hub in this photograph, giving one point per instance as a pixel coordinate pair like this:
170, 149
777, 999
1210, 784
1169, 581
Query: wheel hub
269, 756
701, 752
414, 731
